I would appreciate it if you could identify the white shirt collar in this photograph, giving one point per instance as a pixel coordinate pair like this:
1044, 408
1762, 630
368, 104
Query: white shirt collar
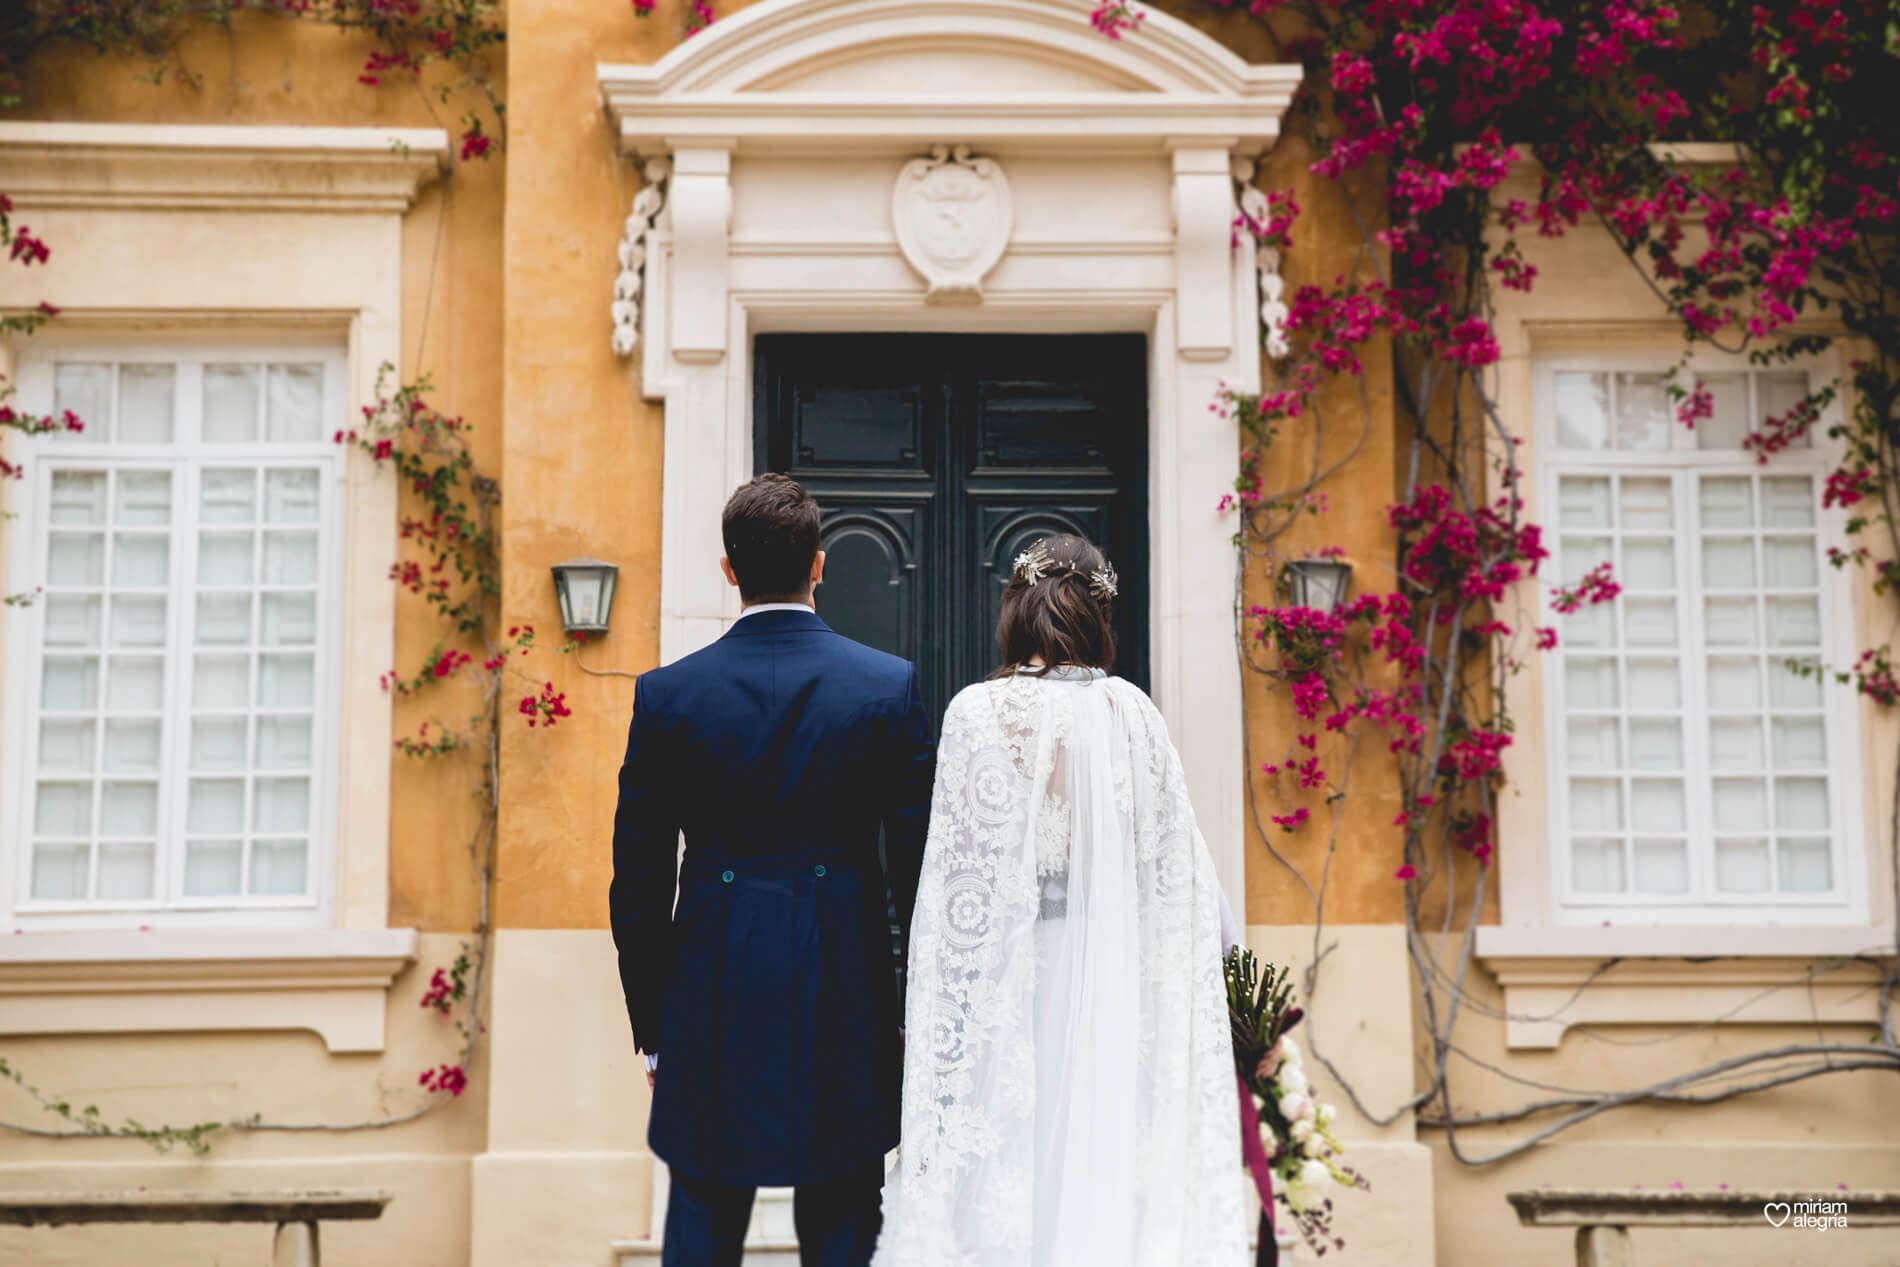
756, 608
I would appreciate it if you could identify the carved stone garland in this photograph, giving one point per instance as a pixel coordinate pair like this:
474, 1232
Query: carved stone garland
1273, 309
633, 255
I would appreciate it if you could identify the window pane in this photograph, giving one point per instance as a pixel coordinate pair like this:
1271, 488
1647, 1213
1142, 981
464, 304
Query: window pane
1650, 622
289, 619
1740, 804
72, 620
138, 621
1590, 627
85, 390
1657, 805
126, 870
1780, 393
1655, 686
1805, 865
1794, 622
141, 559
1728, 563
1643, 412
227, 497
224, 620
132, 745
1583, 411
1800, 743
1735, 743
1649, 563
76, 558
1646, 503
217, 743
129, 809
296, 404
290, 558
286, 681
283, 805
1590, 682
220, 681
1583, 502
144, 499
283, 743
216, 806
1656, 743
59, 872
1729, 622
79, 497
1801, 804
231, 398
63, 809
1735, 681
1741, 866
224, 558
290, 497
1789, 689
1787, 501
135, 683
145, 404
1596, 866
279, 867
213, 868
1789, 562
69, 684
1661, 866
1731, 422
1591, 744
66, 745
1581, 554
1726, 502
1596, 805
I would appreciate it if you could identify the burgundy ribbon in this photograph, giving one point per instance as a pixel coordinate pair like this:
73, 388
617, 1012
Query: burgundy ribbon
1261, 1170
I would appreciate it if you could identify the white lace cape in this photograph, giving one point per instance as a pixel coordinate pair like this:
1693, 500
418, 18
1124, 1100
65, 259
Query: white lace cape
1068, 1081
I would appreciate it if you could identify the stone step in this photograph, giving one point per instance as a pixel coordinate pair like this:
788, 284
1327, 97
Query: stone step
646, 1253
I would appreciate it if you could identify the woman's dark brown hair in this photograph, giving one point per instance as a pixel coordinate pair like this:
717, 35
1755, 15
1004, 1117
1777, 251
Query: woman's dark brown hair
1057, 608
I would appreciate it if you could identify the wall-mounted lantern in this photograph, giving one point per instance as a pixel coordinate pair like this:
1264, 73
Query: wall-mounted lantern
1318, 583
585, 588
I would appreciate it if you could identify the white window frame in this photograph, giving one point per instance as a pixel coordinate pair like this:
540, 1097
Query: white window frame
188, 455
1845, 902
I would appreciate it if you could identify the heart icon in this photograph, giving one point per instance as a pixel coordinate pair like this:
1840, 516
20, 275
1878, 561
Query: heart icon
1773, 1208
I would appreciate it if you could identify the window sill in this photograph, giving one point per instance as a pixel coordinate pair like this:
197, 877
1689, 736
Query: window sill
334, 982
1554, 978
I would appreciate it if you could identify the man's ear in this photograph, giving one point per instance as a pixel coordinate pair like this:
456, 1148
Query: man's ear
817, 569
725, 565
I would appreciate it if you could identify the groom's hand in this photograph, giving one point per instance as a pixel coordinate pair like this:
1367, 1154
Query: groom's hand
650, 1074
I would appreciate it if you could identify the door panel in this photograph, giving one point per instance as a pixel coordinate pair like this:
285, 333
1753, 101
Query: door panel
936, 459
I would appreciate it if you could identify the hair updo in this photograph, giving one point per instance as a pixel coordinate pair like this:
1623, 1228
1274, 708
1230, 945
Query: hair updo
1058, 608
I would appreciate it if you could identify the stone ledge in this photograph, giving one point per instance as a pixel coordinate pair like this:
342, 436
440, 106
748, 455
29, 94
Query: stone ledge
57, 1209
210, 168
1553, 978
334, 982
1593, 1207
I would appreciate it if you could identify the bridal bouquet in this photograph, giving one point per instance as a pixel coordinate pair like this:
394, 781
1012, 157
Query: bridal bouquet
1289, 1145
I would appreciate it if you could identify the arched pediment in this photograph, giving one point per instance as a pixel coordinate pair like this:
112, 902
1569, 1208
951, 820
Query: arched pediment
985, 71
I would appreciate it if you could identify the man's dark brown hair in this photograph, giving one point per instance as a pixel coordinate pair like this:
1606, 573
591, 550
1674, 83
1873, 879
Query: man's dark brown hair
771, 530
1058, 618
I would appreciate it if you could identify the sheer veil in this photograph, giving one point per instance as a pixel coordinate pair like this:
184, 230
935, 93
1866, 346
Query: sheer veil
1068, 1080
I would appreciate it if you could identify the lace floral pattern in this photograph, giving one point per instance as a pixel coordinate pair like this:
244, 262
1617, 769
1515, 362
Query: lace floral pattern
964, 1194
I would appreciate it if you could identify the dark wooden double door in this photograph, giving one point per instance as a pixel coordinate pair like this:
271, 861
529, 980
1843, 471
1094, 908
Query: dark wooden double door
938, 458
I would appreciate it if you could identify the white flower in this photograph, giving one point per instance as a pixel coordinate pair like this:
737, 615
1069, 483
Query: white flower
1327, 1114
1293, 1106
1290, 1050
1302, 1130
1268, 1140
1292, 1080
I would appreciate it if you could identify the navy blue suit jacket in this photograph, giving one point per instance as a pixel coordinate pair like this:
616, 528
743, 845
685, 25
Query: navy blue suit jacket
764, 979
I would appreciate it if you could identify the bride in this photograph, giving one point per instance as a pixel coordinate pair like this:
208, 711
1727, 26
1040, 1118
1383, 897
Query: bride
1069, 1090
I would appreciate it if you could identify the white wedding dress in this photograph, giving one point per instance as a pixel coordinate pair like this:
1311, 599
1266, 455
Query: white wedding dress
1069, 1090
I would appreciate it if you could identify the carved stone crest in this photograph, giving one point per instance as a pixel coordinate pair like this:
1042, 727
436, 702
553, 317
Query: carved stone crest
952, 214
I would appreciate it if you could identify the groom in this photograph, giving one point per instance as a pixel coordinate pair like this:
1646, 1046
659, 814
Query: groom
766, 999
